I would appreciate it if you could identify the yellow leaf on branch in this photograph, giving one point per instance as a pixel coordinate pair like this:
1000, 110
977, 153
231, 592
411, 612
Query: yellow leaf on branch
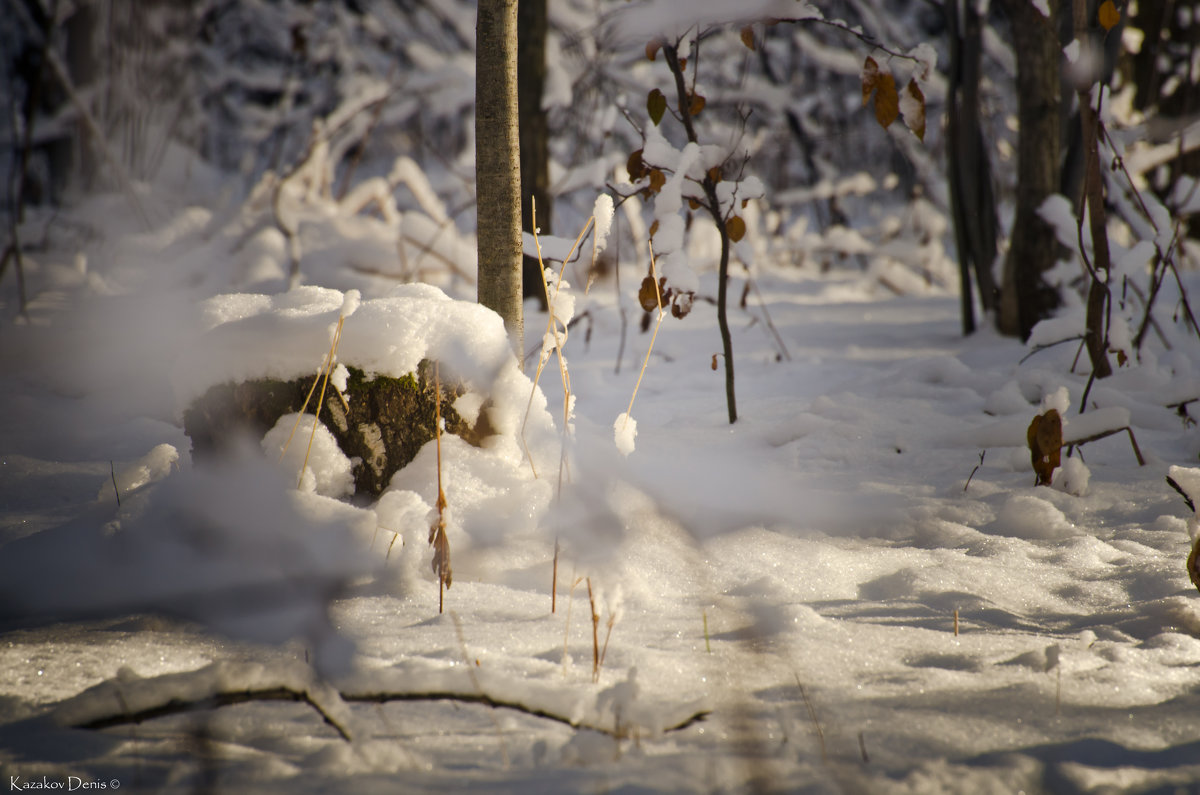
1110, 17
887, 100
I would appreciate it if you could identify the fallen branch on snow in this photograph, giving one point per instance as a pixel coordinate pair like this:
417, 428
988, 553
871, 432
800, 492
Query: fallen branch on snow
126, 699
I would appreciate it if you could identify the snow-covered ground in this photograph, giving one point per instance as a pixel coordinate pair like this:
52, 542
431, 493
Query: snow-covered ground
855, 588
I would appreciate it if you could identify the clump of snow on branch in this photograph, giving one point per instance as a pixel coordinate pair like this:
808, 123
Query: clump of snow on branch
624, 432
603, 213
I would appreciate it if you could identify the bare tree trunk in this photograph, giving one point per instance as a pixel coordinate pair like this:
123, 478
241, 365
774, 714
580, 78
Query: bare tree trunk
498, 165
1093, 195
532, 22
1025, 298
970, 170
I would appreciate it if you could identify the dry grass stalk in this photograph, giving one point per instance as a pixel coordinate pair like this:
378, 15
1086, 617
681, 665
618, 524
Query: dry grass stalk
567, 624
612, 619
437, 532
392, 543
323, 378
595, 634
653, 336
812, 715
554, 580
552, 328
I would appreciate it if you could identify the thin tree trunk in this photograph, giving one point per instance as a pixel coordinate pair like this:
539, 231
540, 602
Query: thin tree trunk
1025, 297
973, 204
1093, 194
532, 23
498, 166
713, 204
955, 167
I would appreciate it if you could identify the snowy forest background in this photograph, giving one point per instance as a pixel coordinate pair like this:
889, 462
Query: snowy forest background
955, 232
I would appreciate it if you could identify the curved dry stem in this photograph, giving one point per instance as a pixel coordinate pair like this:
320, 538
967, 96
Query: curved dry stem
653, 336
323, 378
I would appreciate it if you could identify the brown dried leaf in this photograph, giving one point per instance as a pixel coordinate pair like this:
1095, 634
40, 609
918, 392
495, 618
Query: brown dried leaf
1193, 565
656, 105
648, 295
652, 48
1045, 445
714, 174
1110, 17
682, 305
654, 228
748, 37
870, 78
714, 362
692, 203
696, 105
636, 166
736, 228
441, 553
887, 100
657, 180
914, 109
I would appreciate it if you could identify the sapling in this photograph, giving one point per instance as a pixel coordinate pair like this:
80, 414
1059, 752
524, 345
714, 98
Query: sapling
712, 178
696, 173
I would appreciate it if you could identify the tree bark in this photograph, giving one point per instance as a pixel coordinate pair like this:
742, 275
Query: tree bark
498, 165
532, 23
970, 170
1025, 297
713, 205
1093, 195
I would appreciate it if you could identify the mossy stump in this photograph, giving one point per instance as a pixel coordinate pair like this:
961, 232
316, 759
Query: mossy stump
382, 425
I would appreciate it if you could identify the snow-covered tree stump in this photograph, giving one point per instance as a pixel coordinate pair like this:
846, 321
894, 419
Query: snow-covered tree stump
379, 422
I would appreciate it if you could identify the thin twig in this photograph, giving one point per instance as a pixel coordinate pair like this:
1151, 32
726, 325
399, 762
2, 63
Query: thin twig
595, 636
224, 698
1047, 345
967, 485
112, 470
812, 715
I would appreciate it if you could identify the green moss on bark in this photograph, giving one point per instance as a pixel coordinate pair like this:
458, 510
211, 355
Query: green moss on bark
381, 427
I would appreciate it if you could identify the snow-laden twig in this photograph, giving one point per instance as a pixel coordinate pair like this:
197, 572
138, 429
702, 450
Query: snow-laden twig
123, 701
93, 128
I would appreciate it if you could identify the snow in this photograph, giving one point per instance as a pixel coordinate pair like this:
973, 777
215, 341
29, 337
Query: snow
624, 432
603, 213
303, 445
826, 538
856, 587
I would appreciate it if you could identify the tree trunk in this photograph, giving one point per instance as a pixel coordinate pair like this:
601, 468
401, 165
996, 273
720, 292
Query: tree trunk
970, 170
1025, 298
498, 165
532, 22
1096, 336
